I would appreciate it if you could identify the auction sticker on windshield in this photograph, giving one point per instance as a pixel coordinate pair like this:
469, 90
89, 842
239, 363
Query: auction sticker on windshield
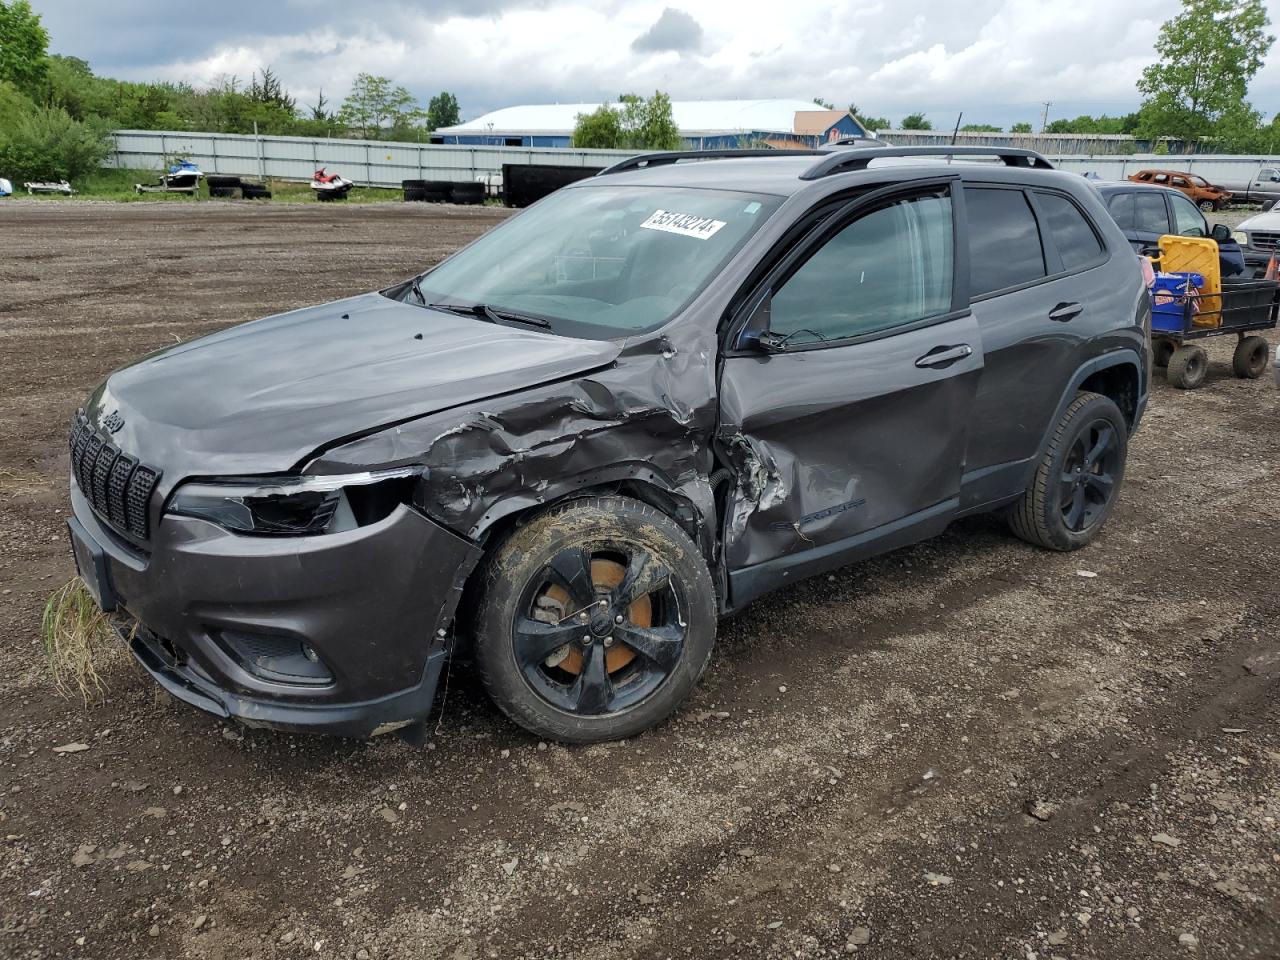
685, 224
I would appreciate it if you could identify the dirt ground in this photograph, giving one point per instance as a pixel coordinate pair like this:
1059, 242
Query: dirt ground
968, 748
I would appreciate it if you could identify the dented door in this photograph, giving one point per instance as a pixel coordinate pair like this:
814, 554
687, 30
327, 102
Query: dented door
834, 443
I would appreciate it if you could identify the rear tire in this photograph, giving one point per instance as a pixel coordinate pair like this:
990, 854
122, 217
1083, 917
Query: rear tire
1251, 358
563, 652
1075, 487
1188, 367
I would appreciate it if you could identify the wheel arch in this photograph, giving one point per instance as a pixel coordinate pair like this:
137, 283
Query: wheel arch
689, 504
1117, 375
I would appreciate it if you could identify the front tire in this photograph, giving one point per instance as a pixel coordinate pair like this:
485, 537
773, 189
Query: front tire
1076, 485
596, 620
1188, 367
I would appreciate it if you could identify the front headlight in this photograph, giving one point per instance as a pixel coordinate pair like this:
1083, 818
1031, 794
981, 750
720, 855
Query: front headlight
1241, 238
296, 506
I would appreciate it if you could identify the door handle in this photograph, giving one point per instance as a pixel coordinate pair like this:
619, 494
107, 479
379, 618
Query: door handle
941, 356
1065, 311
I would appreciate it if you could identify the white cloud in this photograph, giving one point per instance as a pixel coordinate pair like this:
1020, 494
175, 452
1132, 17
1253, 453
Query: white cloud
994, 59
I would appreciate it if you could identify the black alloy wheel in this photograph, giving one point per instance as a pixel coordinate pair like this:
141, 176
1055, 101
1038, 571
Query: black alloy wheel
601, 628
1078, 479
595, 620
1088, 480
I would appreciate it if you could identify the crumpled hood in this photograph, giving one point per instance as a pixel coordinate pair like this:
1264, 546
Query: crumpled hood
262, 396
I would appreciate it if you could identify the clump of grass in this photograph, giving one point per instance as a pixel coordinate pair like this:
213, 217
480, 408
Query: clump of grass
75, 633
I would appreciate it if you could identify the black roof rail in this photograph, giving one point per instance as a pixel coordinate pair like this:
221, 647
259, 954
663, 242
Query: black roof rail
644, 160
857, 158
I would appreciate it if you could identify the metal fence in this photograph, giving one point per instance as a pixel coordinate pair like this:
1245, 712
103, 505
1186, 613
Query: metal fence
370, 162
379, 163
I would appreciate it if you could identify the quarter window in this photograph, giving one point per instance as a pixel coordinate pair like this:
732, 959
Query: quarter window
1149, 213
890, 267
1187, 220
1076, 241
1004, 244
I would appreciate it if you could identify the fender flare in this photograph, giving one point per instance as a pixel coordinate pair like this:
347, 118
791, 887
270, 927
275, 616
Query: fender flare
1125, 356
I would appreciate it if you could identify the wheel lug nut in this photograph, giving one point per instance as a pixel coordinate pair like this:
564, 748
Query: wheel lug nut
586, 640
608, 641
618, 618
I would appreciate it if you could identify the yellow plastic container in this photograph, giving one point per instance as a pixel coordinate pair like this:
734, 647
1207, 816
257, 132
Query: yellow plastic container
1196, 255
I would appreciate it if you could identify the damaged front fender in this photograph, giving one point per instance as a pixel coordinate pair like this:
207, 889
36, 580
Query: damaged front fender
647, 418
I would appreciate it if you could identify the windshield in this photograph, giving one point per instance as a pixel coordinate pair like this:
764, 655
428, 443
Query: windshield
601, 261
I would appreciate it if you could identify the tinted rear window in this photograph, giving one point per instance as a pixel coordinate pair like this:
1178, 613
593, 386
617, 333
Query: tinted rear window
1120, 205
1004, 244
1149, 213
1077, 244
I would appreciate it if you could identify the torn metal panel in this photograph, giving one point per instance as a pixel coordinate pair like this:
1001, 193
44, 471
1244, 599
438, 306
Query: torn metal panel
829, 444
649, 417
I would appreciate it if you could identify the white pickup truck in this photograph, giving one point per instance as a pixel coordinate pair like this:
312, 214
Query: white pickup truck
1263, 188
1259, 238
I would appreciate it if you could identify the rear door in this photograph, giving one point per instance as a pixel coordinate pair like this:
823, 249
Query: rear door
852, 424
1150, 219
1031, 253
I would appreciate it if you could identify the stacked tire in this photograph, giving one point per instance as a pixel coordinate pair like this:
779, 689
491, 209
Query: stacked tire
255, 191
225, 187
469, 193
442, 191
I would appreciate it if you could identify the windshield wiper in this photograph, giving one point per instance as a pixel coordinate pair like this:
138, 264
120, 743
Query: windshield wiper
483, 311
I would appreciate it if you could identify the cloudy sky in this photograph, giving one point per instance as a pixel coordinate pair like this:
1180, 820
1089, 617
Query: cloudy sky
997, 60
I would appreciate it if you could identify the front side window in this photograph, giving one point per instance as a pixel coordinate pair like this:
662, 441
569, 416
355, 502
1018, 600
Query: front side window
1180, 183
1149, 213
602, 261
1076, 241
1187, 220
890, 267
1004, 241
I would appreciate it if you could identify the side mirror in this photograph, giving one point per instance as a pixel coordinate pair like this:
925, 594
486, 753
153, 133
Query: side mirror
1275, 178
1220, 232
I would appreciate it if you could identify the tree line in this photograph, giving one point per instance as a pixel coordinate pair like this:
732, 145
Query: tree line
56, 113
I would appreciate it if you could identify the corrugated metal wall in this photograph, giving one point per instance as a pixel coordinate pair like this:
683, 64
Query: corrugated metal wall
371, 162
378, 163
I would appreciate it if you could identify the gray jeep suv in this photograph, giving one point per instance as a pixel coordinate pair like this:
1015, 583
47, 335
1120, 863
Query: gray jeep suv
639, 405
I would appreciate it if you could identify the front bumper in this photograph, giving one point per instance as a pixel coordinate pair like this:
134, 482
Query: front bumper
207, 614
1255, 262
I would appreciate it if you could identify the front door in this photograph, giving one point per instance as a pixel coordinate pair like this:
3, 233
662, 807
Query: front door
848, 421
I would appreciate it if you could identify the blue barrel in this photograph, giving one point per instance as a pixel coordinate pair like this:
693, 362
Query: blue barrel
1169, 300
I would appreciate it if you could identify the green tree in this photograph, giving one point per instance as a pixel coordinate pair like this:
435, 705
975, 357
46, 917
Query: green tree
373, 105
24, 46
599, 130
647, 124
980, 128
824, 104
1208, 54
48, 144
1020, 128
442, 111
916, 121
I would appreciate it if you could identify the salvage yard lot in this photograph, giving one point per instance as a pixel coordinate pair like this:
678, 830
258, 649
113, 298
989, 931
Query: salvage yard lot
966, 748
